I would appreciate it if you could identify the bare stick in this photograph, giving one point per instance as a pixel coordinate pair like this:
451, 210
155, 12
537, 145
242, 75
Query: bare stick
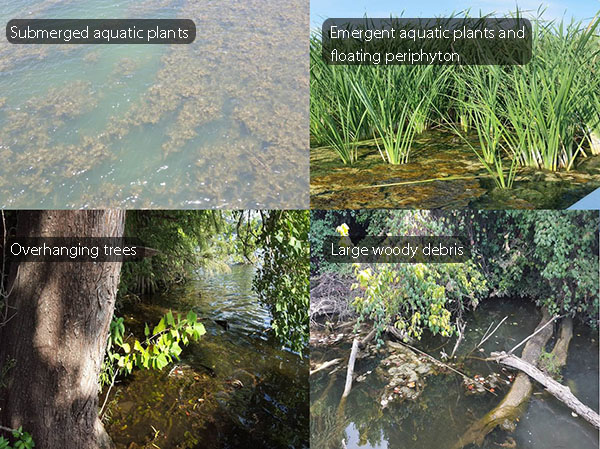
559, 391
487, 337
350, 371
554, 318
325, 365
112, 384
461, 330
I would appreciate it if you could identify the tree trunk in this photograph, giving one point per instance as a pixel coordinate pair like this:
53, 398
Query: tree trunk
559, 391
57, 338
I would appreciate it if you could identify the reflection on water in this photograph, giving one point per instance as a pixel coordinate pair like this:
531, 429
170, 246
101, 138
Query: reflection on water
444, 411
219, 123
235, 388
438, 154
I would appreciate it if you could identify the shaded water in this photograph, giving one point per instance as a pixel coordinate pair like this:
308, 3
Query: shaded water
443, 412
436, 154
219, 123
235, 388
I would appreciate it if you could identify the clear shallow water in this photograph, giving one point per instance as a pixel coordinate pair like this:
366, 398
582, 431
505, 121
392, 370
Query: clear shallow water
372, 183
443, 412
218, 123
235, 388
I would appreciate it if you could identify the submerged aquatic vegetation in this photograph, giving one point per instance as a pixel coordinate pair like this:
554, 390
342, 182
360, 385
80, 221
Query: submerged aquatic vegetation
543, 114
220, 123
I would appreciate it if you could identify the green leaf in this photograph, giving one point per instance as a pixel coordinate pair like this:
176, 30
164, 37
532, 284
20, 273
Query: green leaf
159, 327
200, 329
192, 317
4, 443
170, 320
176, 349
161, 361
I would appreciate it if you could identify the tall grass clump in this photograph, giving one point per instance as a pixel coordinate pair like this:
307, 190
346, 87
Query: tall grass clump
544, 114
390, 118
547, 102
336, 113
483, 110
351, 104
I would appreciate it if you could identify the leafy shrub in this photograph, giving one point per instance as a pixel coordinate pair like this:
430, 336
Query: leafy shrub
415, 297
160, 348
22, 440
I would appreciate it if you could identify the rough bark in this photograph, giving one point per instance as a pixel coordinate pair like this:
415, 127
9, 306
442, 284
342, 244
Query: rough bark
559, 391
57, 338
512, 404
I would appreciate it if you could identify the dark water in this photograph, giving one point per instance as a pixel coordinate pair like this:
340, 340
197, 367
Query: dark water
443, 412
235, 388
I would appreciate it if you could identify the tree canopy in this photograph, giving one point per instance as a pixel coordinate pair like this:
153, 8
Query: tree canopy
549, 257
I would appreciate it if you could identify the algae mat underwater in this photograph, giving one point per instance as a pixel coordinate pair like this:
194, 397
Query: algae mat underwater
219, 123
444, 173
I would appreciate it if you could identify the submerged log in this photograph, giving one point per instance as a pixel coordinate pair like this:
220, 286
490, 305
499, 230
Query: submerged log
325, 365
561, 348
511, 406
559, 391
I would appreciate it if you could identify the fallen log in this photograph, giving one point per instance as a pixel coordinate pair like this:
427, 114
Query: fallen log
559, 391
325, 365
350, 372
356, 345
513, 403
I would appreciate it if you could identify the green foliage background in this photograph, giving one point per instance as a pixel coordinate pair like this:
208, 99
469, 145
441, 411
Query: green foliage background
549, 257
282, 280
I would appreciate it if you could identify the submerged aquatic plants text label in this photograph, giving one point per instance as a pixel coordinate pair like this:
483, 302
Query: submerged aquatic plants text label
394, 249
426, 41
101, 31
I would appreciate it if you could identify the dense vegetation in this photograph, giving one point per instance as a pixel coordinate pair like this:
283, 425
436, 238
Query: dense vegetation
550, 257
187, 245
544, 114
282, 280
